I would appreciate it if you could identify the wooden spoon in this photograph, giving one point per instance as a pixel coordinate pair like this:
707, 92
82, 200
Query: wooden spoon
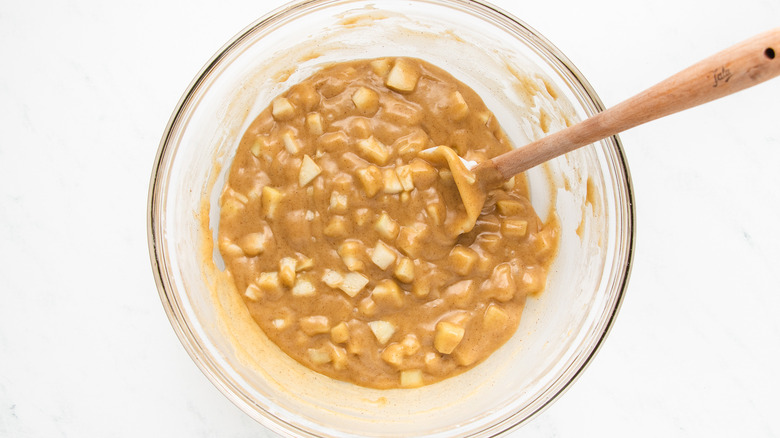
741, 66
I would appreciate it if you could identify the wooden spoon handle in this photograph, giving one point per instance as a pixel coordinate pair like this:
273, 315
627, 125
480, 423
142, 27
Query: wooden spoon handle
741, 66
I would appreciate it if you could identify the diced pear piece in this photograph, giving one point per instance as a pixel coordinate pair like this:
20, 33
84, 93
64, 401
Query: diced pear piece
315, 325
532, 281
269, 281
304, 263
282, 109
460, 293
280, 323
309, 171
314, 123
261, 144
386, 226
253, 244
393, 354
383, 330
338, 203
366, 100
404, 270
318, 356
405, 177
411, 344
350, 252
403, 76
287, 271
508, 207
367, 306
359, 127
353, 283
380, 66
495, 319
437, 211
411, 144
447, 337
459, 109
411, 378
410, 239
271, 199
253, 292
303, 288
336, 227
333, 141
463, 259
371, 178
373, 150
339, 333
332, 278
401, 113
387, 291
338, 356
382, 255
514, 227
391, 183
423, 174
291, 142
502, 285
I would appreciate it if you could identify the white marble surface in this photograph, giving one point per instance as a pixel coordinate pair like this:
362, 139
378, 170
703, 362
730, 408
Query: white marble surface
86, 88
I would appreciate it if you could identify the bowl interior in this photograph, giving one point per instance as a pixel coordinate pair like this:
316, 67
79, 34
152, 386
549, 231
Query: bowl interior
527, 83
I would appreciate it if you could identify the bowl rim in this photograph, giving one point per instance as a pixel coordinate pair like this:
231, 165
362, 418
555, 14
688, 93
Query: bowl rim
158, 254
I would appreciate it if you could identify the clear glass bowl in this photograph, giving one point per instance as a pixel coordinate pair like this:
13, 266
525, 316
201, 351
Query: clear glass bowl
527, 83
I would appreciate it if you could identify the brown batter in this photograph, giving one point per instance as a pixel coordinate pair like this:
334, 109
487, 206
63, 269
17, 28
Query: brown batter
351, 249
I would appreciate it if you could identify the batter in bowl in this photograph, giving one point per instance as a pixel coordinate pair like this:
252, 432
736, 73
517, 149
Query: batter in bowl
349, 247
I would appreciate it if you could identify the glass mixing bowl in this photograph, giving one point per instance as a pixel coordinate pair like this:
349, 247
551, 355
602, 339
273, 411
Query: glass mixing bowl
529, 85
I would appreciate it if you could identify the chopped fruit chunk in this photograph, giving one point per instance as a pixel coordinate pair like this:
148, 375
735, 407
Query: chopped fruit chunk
382, 255
371, 178
282, 109
350, 252
404, 270
287, 271
337, 227
380, 66
366, 100
383, 330
269, 281
253, 244
332, 278
447, 337
340, 333
391, 183
309, 171
314, 123
386, 226
271, 198
338, 203
303, 288
318, 356
514, 228
463, 259
393, 354
315, 325
373, 150
387, 291
508, 207
353, 283
411, 378
403, 76
405, 177
495, 319
253, 292
459, 109
291, 143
